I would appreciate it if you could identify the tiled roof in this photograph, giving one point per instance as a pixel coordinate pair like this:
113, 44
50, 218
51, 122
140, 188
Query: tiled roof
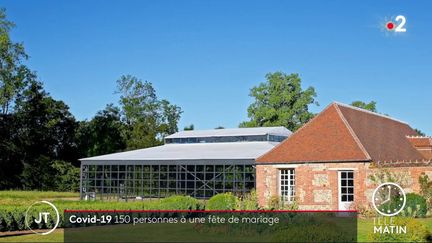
419, 141
346, 133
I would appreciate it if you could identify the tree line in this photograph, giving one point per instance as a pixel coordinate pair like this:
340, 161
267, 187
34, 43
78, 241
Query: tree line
41, 141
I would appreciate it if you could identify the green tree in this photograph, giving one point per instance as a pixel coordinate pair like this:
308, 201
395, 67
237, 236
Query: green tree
10, 156
170, 116
280, 101
102, 134
147, 118
14, 75
191, 127
66, 176
420, 132
47, 133
371, 106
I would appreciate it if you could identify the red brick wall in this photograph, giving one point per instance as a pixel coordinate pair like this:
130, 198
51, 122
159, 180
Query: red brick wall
317, 184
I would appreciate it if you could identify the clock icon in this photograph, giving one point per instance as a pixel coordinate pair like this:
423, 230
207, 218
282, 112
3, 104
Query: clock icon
389, 199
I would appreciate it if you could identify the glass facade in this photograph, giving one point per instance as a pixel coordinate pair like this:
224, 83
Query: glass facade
132, 181
227, 139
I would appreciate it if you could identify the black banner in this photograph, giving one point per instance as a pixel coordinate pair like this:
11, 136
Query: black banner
209, 226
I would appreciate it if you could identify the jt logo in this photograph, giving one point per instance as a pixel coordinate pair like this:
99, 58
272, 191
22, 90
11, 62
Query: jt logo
45, 215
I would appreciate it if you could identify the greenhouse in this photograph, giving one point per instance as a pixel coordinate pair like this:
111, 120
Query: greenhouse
197, 163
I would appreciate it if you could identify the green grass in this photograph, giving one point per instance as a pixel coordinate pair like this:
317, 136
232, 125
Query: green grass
56, 236
23, 198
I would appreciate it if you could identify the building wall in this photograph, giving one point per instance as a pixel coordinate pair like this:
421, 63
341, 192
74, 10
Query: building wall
317, 183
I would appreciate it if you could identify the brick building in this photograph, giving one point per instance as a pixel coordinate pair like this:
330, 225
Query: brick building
327, 163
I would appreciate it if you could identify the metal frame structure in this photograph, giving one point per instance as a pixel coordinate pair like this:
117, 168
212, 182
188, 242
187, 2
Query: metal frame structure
156, 179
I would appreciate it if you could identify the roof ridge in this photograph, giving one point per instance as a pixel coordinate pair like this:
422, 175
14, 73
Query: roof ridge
353, 134
369, 112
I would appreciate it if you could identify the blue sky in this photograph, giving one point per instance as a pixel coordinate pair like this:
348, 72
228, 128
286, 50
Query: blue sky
205, 55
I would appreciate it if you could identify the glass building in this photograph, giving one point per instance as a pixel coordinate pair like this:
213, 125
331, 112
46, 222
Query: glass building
197, 163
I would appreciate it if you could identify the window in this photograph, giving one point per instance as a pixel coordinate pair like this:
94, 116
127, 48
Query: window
287, 185
347, 186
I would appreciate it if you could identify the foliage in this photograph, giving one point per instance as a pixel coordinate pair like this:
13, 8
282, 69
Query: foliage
180, 203
47, 131
66, 176
280, 101
222, 201
147, 118
382, 175
10, 156
364, 210
12, 217
248, 202
102, 134
371, 106
426, 189
416, 232
276, 203
419, 132
14, 75
189, 128
415, 206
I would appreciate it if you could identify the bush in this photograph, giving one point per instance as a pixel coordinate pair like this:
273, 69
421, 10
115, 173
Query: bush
225, 201
426, 189
276, 203
416, 232
180, 203
415, 206
248, 202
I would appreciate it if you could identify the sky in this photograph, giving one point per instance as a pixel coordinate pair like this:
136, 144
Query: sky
205, 55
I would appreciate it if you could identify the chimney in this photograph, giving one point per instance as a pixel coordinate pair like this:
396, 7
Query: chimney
422, 144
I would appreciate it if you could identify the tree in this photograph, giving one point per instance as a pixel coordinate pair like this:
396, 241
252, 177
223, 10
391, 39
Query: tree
280, 101
102, 134
14, 75
147, 118
191, 127
371, 106
10, 157
420, 132
171, 116
47, 133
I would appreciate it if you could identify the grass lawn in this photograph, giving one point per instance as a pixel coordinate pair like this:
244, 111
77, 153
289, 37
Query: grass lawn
25, 198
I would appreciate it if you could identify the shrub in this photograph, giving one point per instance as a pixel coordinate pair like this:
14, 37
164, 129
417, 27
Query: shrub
180, 203
415, 206
275, 203
223, 201
364, 210
248, 202
426, 189
416, 232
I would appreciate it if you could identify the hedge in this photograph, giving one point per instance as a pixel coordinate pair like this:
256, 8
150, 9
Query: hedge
12, 218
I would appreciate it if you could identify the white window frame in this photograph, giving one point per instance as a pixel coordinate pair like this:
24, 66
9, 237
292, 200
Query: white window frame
346, 187
287, 185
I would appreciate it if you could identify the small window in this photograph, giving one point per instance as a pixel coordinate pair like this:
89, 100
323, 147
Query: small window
287, 185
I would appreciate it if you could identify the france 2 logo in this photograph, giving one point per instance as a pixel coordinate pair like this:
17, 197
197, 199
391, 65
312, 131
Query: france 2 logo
398, 25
